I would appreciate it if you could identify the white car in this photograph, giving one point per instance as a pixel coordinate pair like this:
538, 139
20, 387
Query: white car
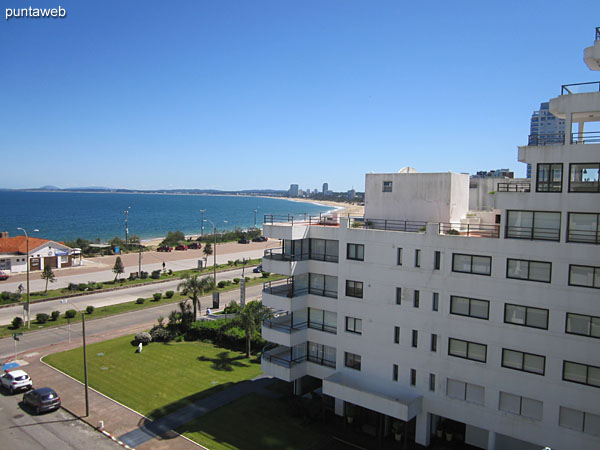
16, 380
3, 275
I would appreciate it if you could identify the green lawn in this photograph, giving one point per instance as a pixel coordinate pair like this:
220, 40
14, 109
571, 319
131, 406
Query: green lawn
252, 422
161, 379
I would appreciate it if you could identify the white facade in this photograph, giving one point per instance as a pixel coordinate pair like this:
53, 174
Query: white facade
492, 326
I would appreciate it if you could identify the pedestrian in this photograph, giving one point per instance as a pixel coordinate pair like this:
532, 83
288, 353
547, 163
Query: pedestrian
164, 267
208, 311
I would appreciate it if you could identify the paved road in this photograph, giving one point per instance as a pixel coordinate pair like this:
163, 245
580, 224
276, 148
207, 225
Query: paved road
129, 322
105, 298
20, 430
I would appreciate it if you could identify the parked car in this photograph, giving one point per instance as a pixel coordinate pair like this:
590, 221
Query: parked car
3, 275
260, 239
41, 400
181, 247
15, 380
194, 245
243, 241
165, 248
257, 269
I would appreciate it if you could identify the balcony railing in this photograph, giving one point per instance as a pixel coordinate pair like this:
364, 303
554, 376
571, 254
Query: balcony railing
533, 233
514, 187
471, 230
283, 322
585, 137
323, 292
580, 88
388, 224
546, 139
323, 257
281, 356
278, 254
302, 219
583, 236
284, 288
321, 361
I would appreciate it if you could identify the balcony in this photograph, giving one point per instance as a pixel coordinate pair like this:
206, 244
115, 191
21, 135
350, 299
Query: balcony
546, 139
470, 230
277, 261
514, 187
281, 330
277, 361
282, 295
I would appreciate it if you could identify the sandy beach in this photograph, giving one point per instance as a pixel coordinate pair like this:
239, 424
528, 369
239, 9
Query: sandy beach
345, 209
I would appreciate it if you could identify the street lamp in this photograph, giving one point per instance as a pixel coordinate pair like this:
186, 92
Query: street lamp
27, 265
85, 374
214, 249
126, 228
202, 223
255, 218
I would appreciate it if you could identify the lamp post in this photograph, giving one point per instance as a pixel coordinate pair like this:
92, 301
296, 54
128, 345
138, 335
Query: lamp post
126, 227
202, 223
27, 265
214, 249
85, 374
255, 217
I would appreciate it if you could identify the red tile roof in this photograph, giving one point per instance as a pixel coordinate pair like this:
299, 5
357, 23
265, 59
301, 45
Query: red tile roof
18, 244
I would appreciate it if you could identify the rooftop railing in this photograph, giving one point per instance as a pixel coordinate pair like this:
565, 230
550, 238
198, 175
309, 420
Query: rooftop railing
471, 230
302, 219
514, 187
580, 88
388, 224
585, 137
546, 139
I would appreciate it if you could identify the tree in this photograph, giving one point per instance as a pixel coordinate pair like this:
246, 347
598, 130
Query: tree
208, 250
118, 268
48, 275
173, 238
194, 286
250, 318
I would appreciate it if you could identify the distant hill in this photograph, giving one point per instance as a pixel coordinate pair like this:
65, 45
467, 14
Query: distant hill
266, 192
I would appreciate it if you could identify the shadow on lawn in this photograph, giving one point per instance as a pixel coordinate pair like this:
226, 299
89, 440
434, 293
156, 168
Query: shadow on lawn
224, 362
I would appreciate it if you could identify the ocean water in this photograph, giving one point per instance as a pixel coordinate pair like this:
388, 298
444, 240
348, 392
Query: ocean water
66, 216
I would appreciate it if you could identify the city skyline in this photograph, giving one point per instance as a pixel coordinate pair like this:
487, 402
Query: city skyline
216, 96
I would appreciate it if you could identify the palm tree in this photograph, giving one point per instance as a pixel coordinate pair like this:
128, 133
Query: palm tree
194, 286
250, 318
48, 275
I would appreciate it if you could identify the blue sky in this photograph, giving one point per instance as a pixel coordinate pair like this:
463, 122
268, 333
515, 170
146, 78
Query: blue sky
260, 94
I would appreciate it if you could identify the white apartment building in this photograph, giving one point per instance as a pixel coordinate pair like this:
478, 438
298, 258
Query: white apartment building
478, 326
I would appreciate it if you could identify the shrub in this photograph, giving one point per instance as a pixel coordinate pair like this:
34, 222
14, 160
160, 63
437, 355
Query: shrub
232, 308
266, 274
160, 334
5, 295
236, 280
179, 339
247, 278
155, 274
82, 286
89, 309
54, 315
73, 287
227, 282
142, 337
453, 232
70, 313
143, 275
17, 323
169, 294
157, 296
41, 317
230, 263
99, 286
221, 284
140, 301
170, 271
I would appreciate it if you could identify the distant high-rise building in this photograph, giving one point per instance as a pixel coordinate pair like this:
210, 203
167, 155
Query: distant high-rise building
325, 187
545, 129
293, 191
494, 173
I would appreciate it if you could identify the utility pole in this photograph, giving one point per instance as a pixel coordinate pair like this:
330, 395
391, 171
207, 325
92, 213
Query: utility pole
126, 227
202, 226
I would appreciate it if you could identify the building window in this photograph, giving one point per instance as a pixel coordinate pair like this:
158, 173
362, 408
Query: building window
584, 228
413, 377
537, 225
432, 382
435, 301
396, 335
521, 269
416, 296
526, 316
395, 372
584, 178
526, 362
434, 342
437, 260
323, 285
387, 186
465, 391
399, 257
521, 406
549, 177
415, 338
583, 325
321, 354
354, 289
398, 296
417, 258
319, 249
584, 276
581, 373
467, 350
356, 252
354, 325
579, 421
351, 360
479, 265
470, 307
319, 319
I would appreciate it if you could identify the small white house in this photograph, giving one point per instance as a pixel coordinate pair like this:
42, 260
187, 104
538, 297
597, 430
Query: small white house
42, 253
